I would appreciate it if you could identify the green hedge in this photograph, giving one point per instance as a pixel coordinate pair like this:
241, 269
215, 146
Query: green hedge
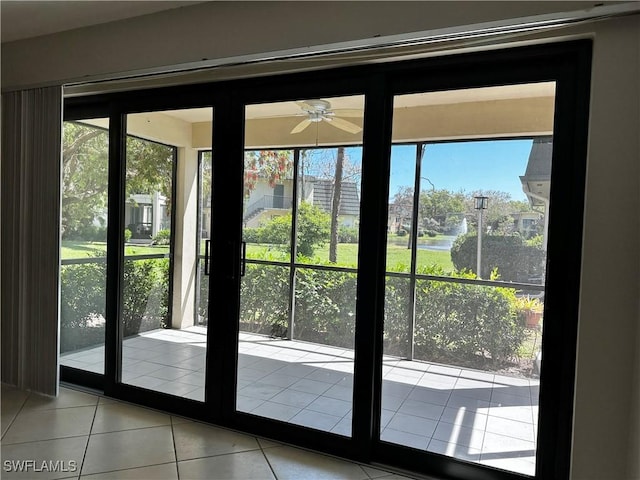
454, 321
514, 259
82, 301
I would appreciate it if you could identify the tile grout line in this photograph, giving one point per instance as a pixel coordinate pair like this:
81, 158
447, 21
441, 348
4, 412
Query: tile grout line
175, 450
86, 447
16, 416
266, 458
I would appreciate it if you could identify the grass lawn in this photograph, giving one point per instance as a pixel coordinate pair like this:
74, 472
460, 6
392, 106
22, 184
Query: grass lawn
398, 256
91, 249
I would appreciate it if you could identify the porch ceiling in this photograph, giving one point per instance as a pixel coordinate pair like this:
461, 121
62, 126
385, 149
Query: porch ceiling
505, 111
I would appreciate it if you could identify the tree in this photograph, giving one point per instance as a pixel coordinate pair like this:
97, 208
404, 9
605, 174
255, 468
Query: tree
498, 216
313, 229
85, 164
402, 206
274, 165
149, 168
85, 167
335, 206
440, 205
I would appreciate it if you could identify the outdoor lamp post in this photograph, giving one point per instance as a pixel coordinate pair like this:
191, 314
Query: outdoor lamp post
480, 204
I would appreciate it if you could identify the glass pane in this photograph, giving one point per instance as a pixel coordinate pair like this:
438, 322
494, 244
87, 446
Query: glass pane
401, 197
329, 205
85, 159
297, 321
204, 234
164, 348
461, 364
268, 194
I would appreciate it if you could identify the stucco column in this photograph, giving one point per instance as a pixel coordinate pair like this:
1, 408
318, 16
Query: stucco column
186, 225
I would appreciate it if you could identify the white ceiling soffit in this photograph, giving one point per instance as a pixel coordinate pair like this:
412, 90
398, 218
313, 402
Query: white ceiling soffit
371, 50
27, 19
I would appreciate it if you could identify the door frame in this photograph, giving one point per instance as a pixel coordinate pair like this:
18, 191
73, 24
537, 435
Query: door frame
567, 63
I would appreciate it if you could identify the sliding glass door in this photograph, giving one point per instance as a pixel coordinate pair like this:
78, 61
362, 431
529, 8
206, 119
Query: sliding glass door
163, 334
465, 274
300, 267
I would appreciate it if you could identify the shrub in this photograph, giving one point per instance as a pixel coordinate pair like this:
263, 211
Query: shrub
163, 237
145, 295
82, 305
462, 322
313, 230
509, 254
82, 300
264, 291
454, 321
347, 234
127, 234
325, 307
87, 233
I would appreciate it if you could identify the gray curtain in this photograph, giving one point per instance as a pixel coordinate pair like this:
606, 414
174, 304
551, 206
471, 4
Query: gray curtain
30, 239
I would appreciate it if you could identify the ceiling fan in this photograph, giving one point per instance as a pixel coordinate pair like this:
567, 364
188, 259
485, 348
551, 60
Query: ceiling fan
320, 111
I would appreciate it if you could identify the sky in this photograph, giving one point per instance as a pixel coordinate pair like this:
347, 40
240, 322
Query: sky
469, 166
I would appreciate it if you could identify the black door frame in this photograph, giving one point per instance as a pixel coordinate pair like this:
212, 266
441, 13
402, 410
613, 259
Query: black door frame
567, 63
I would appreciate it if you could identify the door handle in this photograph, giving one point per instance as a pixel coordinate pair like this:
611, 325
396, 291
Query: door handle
207, 256
243, 260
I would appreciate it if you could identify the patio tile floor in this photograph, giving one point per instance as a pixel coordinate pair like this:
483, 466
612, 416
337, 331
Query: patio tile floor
471, 415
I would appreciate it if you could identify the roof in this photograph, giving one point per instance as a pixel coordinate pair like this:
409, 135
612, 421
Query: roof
536, 181
349, 200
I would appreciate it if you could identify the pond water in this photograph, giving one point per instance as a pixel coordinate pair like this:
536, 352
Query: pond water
441, 243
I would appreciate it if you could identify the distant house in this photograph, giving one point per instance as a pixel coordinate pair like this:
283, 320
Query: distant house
146, 214
526, 223
266, 202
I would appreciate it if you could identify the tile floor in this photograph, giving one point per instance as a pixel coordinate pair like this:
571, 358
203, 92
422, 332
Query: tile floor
84, 436
471, 415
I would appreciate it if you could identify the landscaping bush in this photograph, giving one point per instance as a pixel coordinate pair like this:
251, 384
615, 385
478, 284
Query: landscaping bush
515, 260
264, 291
127, 234
163, 237
82, 305
145, 295
86, 233
313, 230
82, 300
397, 316
347, 234
454, 322
325, 307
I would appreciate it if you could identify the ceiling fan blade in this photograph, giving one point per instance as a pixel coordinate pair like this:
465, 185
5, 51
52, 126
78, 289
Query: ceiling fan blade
301, 126
349, 112
344, 125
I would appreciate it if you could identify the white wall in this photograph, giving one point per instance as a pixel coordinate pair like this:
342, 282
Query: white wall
609, 301
223, 29
606, 443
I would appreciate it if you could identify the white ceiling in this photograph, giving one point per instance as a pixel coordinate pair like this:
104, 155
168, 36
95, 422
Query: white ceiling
26, 19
